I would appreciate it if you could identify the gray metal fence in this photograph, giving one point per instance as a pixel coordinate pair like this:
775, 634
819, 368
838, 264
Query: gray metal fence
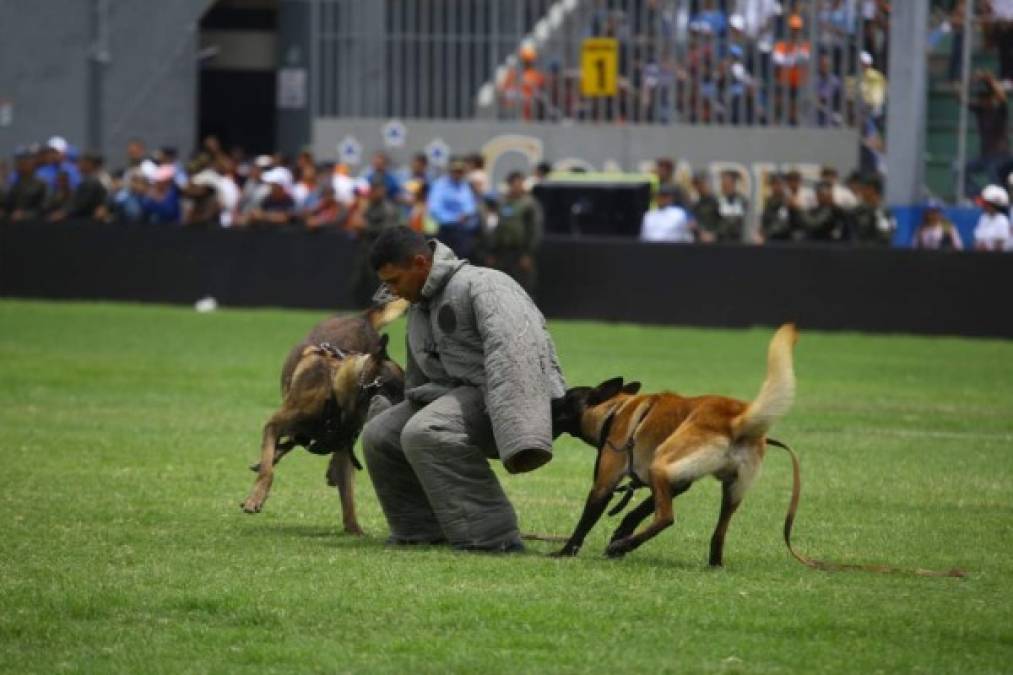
676, 61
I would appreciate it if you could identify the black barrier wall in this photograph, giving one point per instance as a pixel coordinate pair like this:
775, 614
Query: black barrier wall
833, 288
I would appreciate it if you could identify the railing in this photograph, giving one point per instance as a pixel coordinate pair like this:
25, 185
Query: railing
668, 61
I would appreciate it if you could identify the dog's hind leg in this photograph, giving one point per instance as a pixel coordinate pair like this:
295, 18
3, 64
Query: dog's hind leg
733, 491
633, 519
341, 474
730, 501
685, 456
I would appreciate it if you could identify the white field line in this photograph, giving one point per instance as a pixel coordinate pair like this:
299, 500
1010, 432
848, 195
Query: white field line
919, 433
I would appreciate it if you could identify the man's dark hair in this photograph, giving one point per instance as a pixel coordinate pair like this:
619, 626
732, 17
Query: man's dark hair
422, 158
514, 175
543, 167
397, 246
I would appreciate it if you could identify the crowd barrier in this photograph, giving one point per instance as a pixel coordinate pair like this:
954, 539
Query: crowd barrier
820, 287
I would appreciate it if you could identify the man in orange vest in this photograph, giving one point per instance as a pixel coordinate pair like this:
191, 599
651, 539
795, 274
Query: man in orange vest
791, 59
525, 87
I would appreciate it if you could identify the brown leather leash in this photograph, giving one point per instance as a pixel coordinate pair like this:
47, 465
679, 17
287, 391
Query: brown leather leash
827, 566
533, 536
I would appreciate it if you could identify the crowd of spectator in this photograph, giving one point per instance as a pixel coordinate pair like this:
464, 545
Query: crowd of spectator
500, 225
851, 211
721, 62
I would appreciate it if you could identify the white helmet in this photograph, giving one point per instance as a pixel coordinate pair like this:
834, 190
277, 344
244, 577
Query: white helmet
996, 196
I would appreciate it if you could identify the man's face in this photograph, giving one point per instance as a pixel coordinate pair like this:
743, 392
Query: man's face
728, 184
516, 187
406, 279
135, 151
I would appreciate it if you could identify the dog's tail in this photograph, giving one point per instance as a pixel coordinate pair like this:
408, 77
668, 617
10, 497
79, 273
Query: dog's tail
778, 390
381, 315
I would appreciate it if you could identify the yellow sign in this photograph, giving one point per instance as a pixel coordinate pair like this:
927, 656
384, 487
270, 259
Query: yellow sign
599, 65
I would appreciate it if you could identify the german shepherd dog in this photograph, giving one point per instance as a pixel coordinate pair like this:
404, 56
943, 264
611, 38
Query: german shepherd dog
327, 382
666, 442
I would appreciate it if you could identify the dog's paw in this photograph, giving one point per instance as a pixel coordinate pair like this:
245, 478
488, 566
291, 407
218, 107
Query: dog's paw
252, 505
619, 548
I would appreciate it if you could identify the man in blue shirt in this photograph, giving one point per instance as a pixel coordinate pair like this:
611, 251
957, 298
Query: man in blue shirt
453, 206
379, 165
54, 160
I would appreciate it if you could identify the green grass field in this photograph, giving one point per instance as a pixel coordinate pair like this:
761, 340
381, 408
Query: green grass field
126, 432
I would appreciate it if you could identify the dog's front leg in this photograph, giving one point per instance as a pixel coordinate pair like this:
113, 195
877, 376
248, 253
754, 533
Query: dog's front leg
341, 474
610, 469
265, 475
593, 508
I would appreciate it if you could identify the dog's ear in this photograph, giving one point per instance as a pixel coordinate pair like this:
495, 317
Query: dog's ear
631, 388
605, 391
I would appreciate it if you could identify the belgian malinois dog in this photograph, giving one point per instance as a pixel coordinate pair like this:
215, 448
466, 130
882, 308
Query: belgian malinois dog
327, 382
666, 441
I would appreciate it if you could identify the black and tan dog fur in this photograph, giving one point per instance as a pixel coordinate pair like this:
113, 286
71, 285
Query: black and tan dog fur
327, 381
666, 442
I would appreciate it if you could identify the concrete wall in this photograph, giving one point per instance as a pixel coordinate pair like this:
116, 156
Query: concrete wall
144, 72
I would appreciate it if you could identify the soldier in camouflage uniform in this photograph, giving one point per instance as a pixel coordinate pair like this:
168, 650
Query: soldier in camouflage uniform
705, 208
513, 243
779, 219
872, 224
732, 209
826, 221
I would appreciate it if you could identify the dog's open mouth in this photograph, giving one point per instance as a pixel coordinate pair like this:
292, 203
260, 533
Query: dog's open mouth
383, 295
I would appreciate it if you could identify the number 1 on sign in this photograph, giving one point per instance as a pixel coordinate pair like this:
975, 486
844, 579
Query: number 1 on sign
599, 60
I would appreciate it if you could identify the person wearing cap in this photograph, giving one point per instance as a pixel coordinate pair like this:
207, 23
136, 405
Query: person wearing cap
453, 206
791, 61
668, 221
278, 207
524, 89
164, 203
936, 231
992, 233
481, 373
27, 194
54, 160
513, 242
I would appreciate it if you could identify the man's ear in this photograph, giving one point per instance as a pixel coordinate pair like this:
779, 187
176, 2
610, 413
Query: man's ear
605, 391
631, 388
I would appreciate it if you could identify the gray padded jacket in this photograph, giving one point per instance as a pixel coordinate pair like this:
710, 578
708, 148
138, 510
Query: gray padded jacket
476, 326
